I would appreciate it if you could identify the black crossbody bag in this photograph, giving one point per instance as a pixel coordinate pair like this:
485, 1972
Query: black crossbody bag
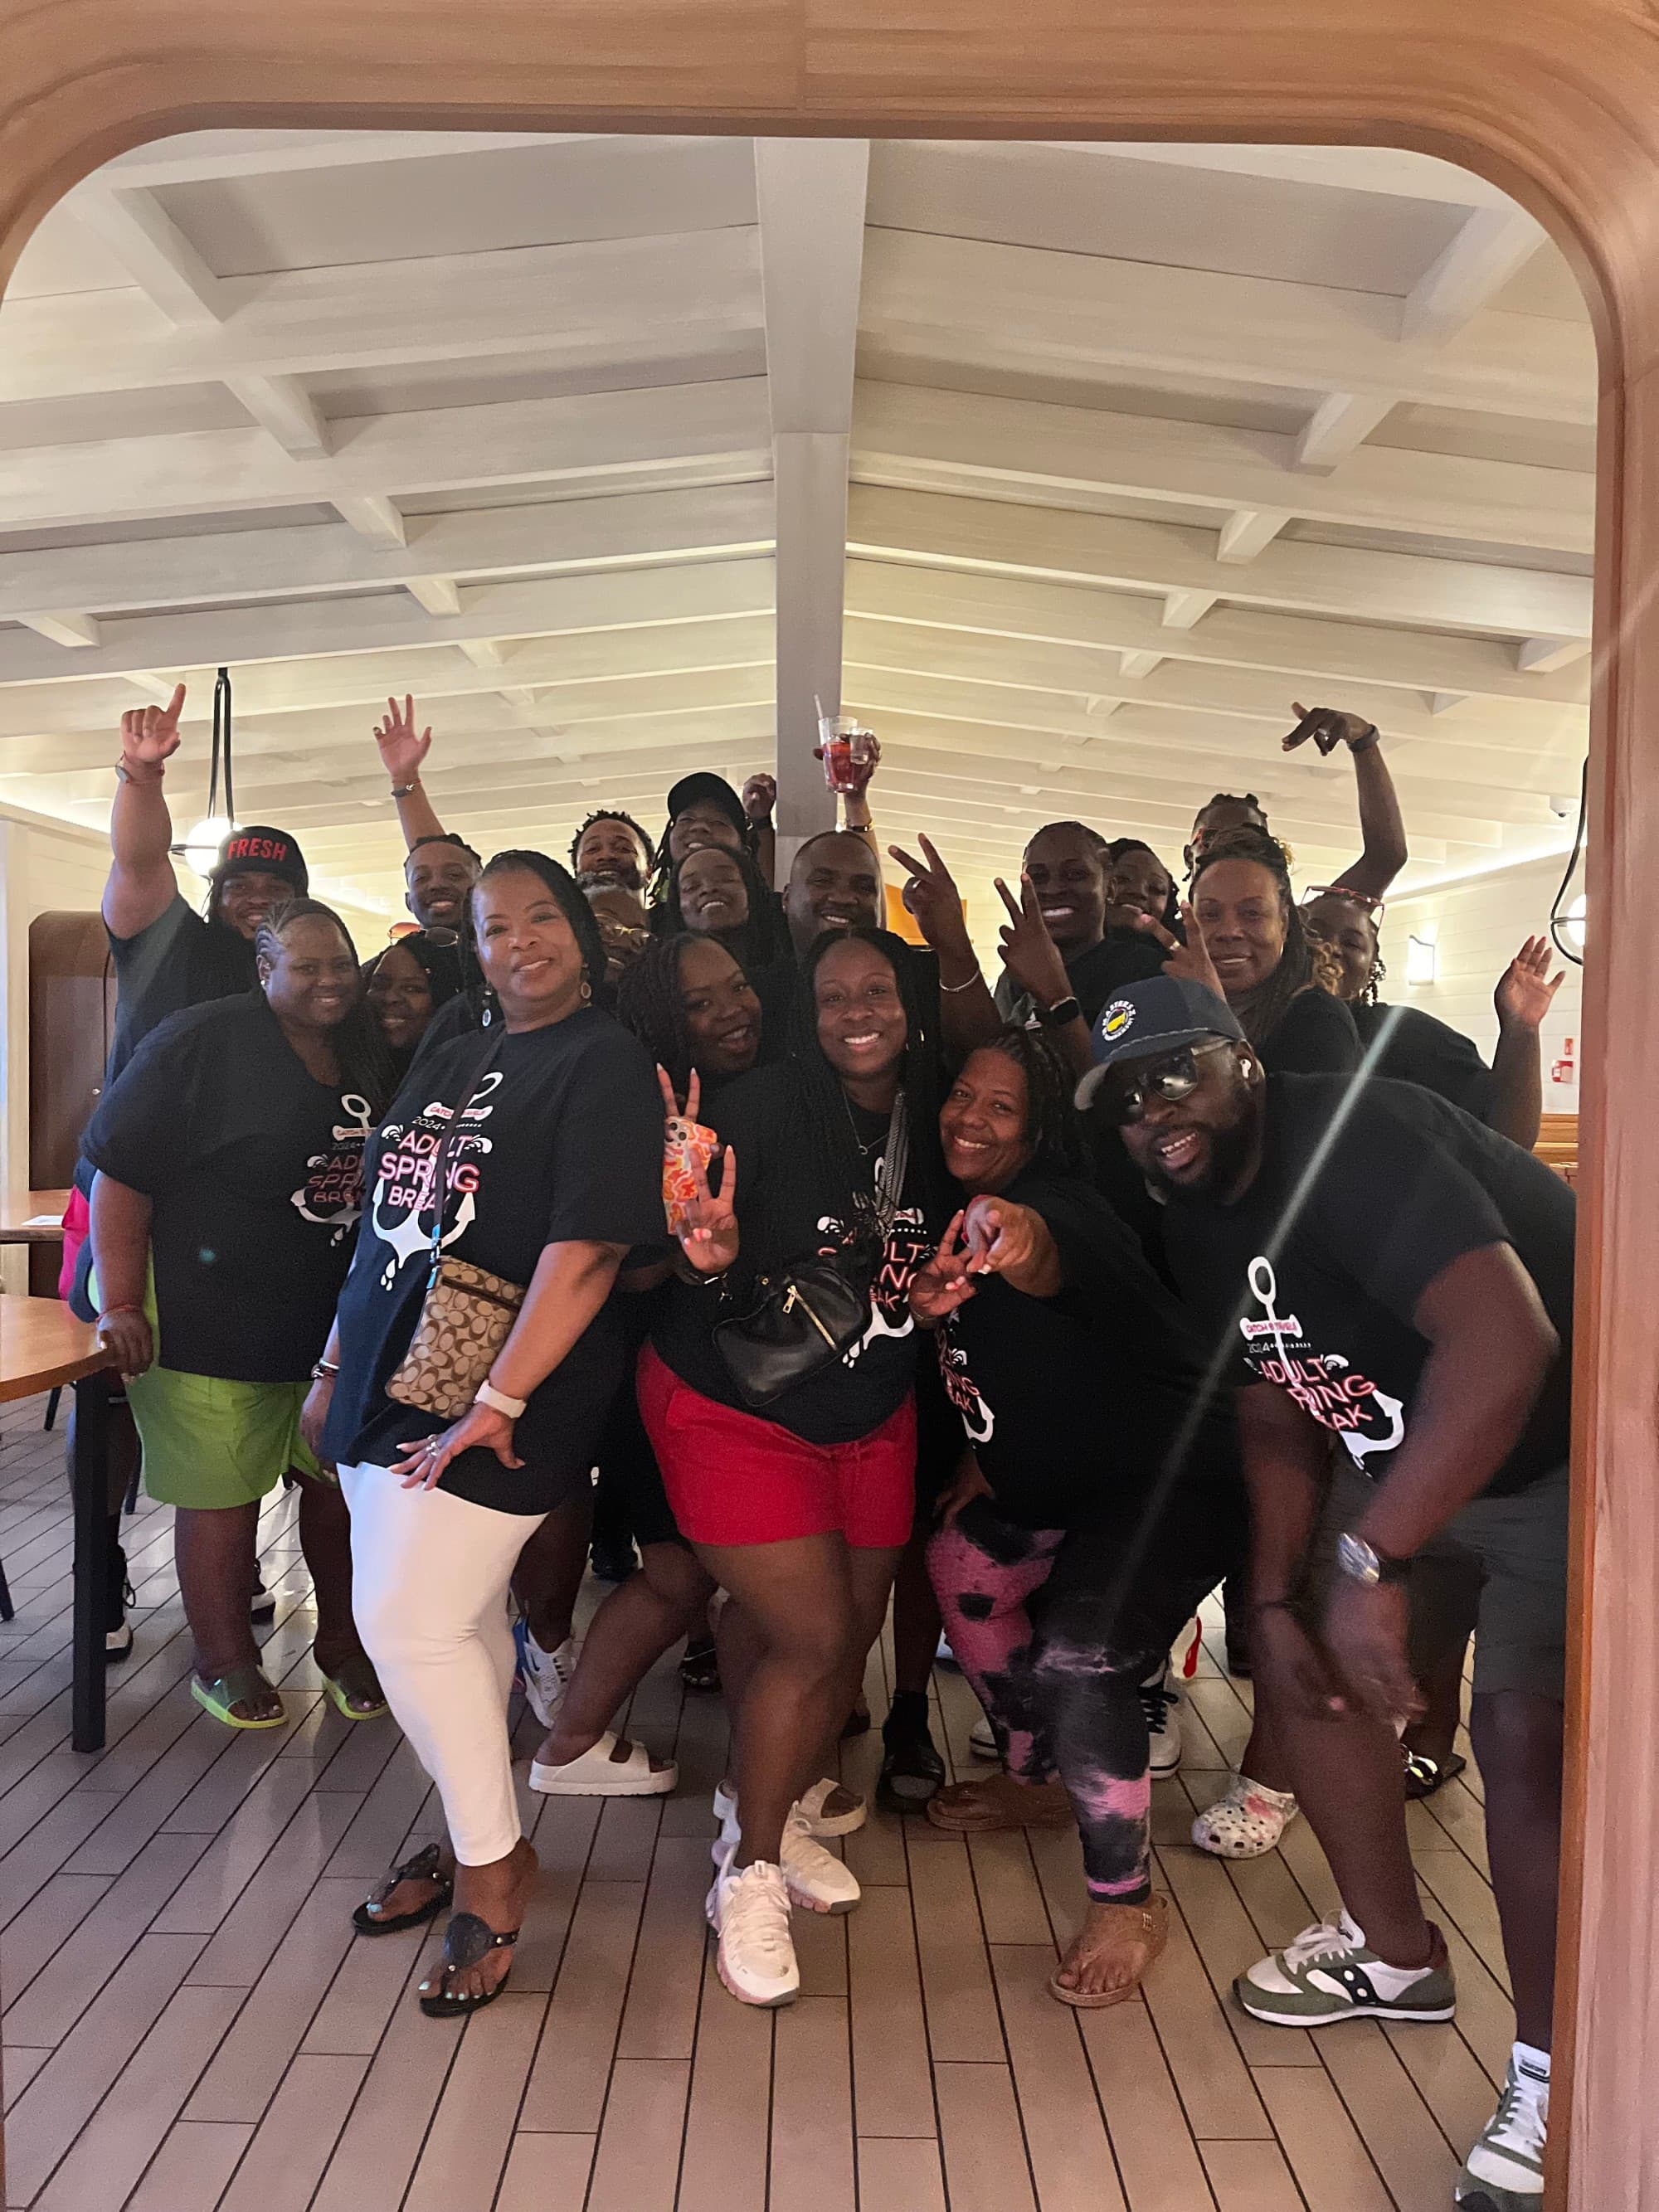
809, 1314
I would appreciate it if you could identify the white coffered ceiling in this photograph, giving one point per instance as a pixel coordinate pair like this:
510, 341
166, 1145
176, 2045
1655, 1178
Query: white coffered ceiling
1144, 442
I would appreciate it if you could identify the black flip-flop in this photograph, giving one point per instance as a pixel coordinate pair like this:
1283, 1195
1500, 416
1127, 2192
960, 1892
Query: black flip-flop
1423, 1775
423, 1867
466, 1941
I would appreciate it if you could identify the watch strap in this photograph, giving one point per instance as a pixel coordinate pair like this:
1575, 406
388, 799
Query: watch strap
498, 1401
1063, 1011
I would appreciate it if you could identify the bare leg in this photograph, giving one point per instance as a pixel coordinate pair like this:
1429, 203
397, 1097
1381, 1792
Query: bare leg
499, 1895
1518, 1740
795, 1655
326, 1540
915, 1618
1346, 1774
213, 1551
551, 1568
636, 1623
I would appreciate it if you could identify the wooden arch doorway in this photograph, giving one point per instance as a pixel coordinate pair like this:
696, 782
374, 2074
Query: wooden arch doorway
1557, 101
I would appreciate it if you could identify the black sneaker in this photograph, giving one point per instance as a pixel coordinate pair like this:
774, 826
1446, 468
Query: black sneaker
262, 1607
118, 1628
614, 1563
911, 1768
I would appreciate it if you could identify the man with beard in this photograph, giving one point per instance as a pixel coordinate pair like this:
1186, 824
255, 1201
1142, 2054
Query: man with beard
610, 847
1384, 1273
440, 868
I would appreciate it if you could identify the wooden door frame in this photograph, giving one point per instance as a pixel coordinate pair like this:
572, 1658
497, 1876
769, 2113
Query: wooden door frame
1555, 100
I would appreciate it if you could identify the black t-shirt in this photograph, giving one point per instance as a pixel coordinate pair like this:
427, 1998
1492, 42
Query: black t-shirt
1071, 1401
1321, 1281
253, 1169
564, 1145
789, 1206
1314, 1035
1096, 974
1418, 1048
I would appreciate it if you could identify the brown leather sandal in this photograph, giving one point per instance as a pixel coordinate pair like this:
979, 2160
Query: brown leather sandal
996, 1801
1135, 1932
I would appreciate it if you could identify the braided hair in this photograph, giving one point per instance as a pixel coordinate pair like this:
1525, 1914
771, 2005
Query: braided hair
763, 938
1051, 1122
561, 886
365, 1063
648, 850
1302, 964
649, 1001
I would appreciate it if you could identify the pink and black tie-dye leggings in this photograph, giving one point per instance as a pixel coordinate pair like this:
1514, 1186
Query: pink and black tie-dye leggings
1057, 1651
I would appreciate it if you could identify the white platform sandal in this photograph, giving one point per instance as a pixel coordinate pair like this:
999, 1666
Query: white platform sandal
599, 1773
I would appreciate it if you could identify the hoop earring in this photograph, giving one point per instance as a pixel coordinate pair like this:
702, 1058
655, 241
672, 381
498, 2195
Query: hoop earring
587, 990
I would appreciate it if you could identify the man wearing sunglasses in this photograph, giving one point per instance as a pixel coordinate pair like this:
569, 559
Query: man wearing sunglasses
1388, 1284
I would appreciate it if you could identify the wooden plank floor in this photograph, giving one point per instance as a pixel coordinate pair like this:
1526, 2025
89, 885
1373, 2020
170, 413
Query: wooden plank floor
189, 2025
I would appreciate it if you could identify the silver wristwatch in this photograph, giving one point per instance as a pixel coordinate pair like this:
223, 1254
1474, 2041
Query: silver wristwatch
1363, 1564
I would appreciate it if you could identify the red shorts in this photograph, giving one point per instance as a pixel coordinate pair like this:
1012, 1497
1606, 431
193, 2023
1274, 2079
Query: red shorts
734, 1479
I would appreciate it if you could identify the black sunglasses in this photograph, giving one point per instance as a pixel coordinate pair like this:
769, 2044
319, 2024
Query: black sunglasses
1171, 1080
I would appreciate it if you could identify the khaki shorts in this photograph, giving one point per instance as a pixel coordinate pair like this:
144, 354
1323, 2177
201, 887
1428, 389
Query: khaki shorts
1517, 1545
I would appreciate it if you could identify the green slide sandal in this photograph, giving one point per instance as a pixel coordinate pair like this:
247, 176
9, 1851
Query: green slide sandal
243, 1685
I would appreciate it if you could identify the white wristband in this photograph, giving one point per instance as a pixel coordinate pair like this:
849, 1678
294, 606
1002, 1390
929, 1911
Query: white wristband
498, 1401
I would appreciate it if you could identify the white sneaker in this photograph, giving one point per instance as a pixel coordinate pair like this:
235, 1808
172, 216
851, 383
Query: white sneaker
544, 1675
1505, 2171
1245, 1821
1160, 1701
815, 1879
749, 1909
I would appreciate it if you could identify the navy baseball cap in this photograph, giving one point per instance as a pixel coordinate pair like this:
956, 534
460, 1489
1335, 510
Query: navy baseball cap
1146, 1020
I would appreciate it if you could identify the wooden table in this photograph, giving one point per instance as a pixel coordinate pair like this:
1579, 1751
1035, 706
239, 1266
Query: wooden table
22, 1217
43, 1347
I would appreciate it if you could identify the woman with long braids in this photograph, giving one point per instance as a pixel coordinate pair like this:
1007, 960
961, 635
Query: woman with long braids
229, 1165
405, 985
1245, 941
534, 1154
800, 1508
1101, 1504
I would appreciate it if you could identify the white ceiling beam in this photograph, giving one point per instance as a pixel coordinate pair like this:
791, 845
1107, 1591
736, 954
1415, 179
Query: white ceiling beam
1247, 531
1442, 703
1300, 650
708, 591
282, 406
993, 538
196, 155
1385, 169
1184, 609
1547, 656
588, 443
1023, 309
1339, 426
155, 253
937, 440
591, 305
481, 651
1137, 664
77, 632
812, 196
439, 595
1492, 246
372, 516
627, 529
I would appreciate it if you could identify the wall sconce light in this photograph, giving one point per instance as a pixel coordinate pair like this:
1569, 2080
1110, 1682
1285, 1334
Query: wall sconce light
1422, 960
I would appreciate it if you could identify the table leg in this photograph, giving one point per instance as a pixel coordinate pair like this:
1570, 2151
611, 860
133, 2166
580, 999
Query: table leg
89, 1480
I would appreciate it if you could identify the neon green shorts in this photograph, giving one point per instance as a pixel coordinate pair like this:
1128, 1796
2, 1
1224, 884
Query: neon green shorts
210, 1443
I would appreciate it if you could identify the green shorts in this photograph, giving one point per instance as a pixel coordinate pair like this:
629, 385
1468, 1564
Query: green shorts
210, 1442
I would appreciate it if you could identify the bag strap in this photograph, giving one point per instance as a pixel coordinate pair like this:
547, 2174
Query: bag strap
895, 1159
478, 1069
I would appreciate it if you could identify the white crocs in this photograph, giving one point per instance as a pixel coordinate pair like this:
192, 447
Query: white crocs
1245, 1821
596, 1773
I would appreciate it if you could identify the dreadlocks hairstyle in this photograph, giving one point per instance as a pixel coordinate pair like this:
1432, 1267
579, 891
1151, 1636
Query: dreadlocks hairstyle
365, 1063
1051, 1123
649, 1002
1115, 850
562, 884
1301, 963
648, 855
826, 1120
764, 938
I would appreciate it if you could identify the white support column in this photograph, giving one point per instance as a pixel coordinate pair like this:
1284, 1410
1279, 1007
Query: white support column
812, 196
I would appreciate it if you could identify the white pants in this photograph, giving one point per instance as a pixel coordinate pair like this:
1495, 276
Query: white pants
429, 1576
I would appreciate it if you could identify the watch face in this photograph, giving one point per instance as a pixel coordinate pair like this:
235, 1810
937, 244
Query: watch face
1358, 1560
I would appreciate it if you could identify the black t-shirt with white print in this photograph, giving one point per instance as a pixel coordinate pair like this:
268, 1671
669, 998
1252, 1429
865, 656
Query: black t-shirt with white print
561, 1143
253, 1169
1080, 1402
1316, 1272
789, 1206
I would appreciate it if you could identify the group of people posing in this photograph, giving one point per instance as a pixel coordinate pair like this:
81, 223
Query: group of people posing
1036, 1306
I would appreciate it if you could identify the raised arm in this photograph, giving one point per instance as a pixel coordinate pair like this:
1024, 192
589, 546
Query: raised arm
141, 885
1525, 994
1381, 827
760, 799
402, 755
967, 1012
